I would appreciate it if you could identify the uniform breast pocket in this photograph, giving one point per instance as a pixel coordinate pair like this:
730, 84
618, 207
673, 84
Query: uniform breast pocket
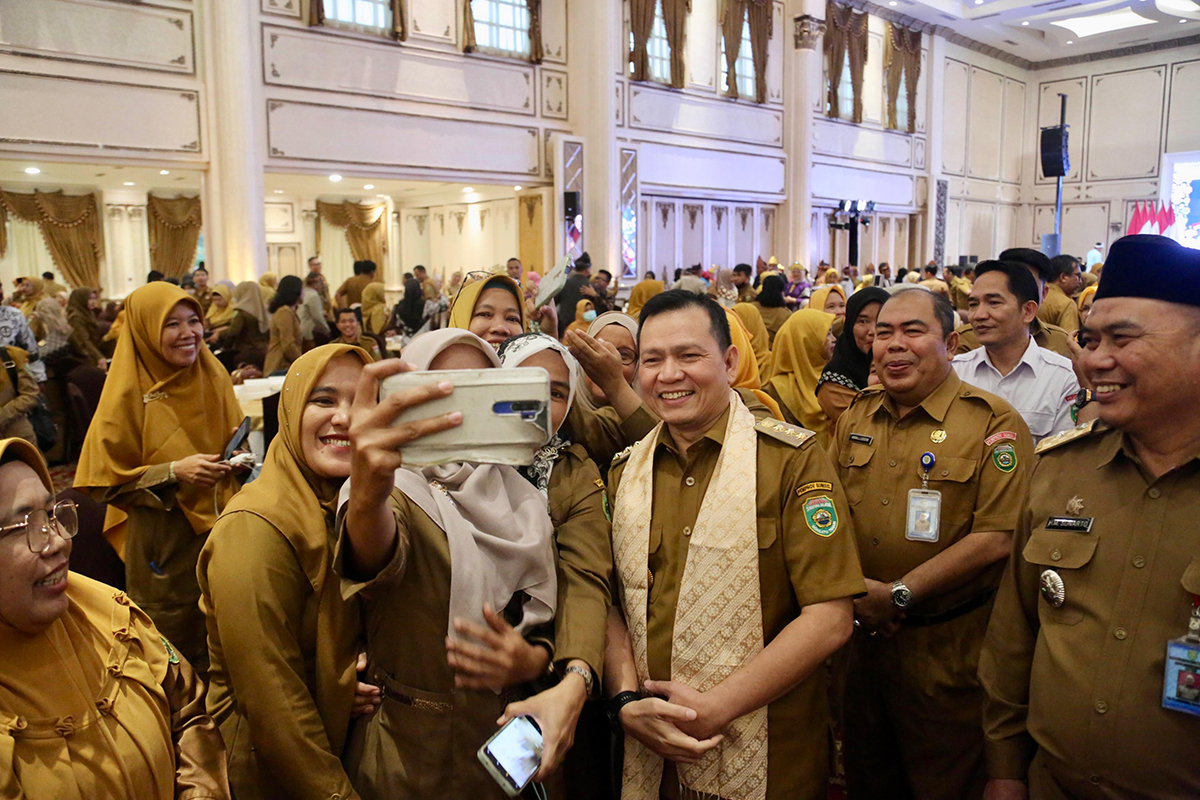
1063, 558
1040, 422
854, 462
952, 477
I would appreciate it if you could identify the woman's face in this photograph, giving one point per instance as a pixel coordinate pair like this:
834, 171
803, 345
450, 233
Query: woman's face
1085, 308
220, 300
182, 332
620, 337
797, 275
325, 423
864, 327
836, 305
560, 383
93, 301
496, 316
830, 342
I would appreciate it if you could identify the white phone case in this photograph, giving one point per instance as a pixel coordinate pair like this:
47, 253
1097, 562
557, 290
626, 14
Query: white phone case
506, 415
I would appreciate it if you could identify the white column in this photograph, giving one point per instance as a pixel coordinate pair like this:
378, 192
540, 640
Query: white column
803, 62
127, 242
596, 56
233, 203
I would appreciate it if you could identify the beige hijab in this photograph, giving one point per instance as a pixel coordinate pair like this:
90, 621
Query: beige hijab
248, 299
496, 523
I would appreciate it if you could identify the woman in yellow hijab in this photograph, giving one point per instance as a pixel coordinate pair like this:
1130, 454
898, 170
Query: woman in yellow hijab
802, 347
1086, 298
748, 375
153, 452
491, 308
220, 310
283, 676
760, 338
830, 298
266, 284
374, 308
640, 293
585, 312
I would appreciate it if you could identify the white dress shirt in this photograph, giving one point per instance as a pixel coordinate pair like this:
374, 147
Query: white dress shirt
1041, 387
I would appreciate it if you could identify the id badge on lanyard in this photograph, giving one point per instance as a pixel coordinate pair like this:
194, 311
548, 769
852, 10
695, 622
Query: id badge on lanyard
1181, 681
924, 517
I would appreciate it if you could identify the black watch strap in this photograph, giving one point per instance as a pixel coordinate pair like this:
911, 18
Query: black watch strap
614, 706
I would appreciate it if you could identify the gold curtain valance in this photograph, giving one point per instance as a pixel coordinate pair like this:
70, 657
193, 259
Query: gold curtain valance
364, 227
173, 225
846, 32
902, 55
70, 226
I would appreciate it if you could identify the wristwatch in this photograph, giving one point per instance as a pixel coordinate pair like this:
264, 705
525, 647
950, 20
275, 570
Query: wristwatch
614, 706
901, 595
582, 672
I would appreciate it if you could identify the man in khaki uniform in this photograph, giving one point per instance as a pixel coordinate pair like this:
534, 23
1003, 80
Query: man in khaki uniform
350, 292
1046, 335
202, 293
912, 700
786, 563
933, 283
429, 289
1059, 307
742, 277
1105, 566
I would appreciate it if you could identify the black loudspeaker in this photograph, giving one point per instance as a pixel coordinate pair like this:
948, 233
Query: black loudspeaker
1055, 161
570, 205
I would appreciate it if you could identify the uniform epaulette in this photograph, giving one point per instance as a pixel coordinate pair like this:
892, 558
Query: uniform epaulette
790, 434
1058, 439
621, 456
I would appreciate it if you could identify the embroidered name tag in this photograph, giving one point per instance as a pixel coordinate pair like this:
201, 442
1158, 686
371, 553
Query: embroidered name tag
1077, 524
815, 486
862, 438
999, 437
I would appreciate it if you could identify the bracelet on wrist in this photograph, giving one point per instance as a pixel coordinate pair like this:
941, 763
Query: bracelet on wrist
613, 708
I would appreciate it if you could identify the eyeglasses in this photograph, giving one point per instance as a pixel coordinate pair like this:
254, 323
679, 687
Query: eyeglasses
627, 356
37, 525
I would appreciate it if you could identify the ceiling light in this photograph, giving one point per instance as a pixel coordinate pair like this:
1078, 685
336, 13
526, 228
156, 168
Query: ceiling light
32, 171
1103, 23
369, 186
384, 196
279, 191
1024, 23
467, 190
1182, 21
978, 2
1070, 41
164, 172
516, 188
130, 183
892, 2
335, 178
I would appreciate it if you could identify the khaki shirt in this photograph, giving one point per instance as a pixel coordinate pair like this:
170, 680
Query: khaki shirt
960, 291
1058, 309
773, 318
747, 293
981, 467
422, 742
936, 285
797, 568
352, 288
204, 298
1051, 337
1084, 681
603, 433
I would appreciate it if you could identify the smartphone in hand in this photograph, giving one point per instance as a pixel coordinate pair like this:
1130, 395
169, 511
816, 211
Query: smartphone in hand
513, 755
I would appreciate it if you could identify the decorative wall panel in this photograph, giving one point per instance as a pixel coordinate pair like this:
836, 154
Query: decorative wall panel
280, 217
1013, 137
554, 94
675, 112
832, 182
141, 37
985, 124
435, 20
306, 60
84, 113
1183, 118
853, 141
284, 8
954, 117
1124, 117
1083, 225
714, 170
554, 30
300, 131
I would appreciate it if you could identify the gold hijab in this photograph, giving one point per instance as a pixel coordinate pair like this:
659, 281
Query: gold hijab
748, 373
797, 362
30, 301
221, 316
306, 521
760, 339
464, 303
640, 293
151, 412
374, 308
819, 297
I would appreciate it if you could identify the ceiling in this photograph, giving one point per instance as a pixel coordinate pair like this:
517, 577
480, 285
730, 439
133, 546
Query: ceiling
1048, 30
104, 177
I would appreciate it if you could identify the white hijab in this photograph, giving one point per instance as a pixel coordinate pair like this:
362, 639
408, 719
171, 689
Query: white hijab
496, 523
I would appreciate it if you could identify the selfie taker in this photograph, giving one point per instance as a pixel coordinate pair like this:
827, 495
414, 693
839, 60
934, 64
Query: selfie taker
1090, 662
934, 470
456, 567
736, 566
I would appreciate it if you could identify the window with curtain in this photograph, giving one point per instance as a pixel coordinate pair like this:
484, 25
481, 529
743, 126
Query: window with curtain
502, 26
372, 16
657, 50
901, 104
744, 65
845, 91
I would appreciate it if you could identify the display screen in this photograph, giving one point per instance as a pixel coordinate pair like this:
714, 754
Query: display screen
517, 749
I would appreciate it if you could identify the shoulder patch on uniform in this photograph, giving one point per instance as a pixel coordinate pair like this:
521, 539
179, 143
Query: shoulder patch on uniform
815, 486
790, 434
999, 437
1058, 439
621, 456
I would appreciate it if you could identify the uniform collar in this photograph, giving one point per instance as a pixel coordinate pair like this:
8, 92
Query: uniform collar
716, 433
1116, 443
936, 404
1032, 356
1054, 287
